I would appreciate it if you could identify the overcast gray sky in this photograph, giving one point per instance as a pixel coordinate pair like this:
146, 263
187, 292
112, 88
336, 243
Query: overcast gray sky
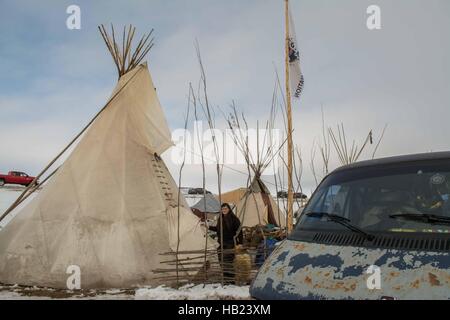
54, 80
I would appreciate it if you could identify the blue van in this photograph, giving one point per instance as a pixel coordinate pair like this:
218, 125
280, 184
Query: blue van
377, 229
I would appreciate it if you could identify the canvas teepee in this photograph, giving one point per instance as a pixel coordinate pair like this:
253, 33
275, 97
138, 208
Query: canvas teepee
233, 196
112, 208
257, 207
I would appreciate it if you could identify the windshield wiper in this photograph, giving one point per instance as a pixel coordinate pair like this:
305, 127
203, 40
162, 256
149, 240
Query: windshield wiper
342, 221
422, 217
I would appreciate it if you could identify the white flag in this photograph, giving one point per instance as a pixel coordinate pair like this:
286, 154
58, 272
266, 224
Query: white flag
295, 73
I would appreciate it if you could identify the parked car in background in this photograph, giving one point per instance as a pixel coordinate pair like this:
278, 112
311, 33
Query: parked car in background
198, 191
297, 195
282, 194
377, 229
16, 177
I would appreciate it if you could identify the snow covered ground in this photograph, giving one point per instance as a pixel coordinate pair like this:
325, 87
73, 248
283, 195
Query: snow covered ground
197, 292
8, 195
17, 293
187, 292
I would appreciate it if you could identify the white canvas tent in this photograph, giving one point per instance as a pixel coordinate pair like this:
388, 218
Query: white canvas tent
111, 209
257, 207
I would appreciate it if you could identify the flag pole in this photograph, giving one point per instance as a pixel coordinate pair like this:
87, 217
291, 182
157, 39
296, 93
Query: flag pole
289, 121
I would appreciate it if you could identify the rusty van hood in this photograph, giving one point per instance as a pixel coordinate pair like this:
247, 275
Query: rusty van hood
305, 270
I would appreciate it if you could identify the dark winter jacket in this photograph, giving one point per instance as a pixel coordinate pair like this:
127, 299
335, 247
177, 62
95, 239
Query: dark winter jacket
231, 225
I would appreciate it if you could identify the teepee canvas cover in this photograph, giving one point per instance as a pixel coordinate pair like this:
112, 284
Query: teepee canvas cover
257, 207
233, 196
112, 207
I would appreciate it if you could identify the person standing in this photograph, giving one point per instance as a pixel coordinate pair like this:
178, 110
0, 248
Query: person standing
229, 235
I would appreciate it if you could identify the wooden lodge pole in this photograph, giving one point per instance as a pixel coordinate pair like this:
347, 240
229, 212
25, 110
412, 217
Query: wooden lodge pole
289, 120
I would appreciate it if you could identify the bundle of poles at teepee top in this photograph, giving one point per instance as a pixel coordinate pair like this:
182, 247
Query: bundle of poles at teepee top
124, 57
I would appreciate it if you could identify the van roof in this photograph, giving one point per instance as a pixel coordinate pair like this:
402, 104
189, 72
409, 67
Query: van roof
397, 159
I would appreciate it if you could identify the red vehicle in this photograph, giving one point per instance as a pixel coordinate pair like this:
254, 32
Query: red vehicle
16, 177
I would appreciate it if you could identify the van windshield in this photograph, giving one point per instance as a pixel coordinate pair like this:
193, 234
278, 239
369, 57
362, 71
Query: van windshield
412, 197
